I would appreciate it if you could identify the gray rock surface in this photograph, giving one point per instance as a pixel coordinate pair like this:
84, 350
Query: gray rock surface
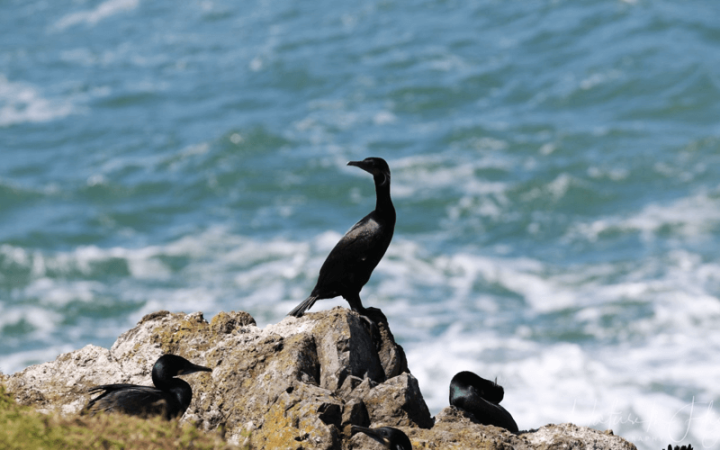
456, 429
298, 384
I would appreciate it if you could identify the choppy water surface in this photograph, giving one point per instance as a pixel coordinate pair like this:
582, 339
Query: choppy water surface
555, 172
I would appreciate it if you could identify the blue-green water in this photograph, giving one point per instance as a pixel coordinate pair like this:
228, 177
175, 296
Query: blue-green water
555, 174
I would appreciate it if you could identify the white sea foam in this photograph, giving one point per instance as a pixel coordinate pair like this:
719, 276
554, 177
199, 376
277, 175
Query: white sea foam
461, 272
218, 255
693, 217
436, 176
22, 103
62, 292
92, 17
40, 319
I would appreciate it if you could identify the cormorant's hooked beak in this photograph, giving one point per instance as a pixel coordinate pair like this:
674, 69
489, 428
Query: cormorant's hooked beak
372, 433
192, 368
360, 164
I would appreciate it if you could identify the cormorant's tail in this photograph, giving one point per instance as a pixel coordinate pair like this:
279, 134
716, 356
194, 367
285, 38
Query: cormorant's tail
304, 306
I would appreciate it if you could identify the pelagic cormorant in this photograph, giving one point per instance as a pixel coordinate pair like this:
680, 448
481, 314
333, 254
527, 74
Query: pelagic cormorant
169, 398
391, 438
481, 398
349, 265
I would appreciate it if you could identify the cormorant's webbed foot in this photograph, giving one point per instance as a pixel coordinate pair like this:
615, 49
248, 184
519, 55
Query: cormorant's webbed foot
356, 305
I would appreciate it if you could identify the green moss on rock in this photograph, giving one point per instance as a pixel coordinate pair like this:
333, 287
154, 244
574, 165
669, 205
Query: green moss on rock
23, 428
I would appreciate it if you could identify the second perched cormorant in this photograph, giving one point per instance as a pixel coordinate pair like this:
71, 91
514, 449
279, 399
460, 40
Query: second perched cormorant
349, 265
169, 398
480, 397
391, 438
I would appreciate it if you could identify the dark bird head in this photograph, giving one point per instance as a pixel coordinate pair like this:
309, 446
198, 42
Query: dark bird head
464, 382
169, 366
391, 438
376, 166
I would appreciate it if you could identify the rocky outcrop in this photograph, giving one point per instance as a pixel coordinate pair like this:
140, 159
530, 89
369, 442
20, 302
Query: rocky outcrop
456, 429
298, 384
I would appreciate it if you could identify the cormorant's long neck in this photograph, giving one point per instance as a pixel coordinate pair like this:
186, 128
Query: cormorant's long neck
179, 389
383, 205
166, 383
183, 392
161, 380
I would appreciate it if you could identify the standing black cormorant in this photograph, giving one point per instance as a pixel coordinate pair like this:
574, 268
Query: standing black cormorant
480, 397
349, 265
170, 397
391, 438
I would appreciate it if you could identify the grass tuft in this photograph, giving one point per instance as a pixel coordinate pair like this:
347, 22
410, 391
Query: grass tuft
23, 428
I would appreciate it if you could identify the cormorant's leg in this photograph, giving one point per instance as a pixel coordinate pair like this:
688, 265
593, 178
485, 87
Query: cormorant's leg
355, 303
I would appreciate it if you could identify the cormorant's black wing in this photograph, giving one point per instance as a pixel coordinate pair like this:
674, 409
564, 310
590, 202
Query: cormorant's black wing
352, 260
128, 399
485, 412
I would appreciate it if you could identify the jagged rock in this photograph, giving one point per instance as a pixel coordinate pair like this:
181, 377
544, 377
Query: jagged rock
455, 429
354, 413
395, 403
298, 384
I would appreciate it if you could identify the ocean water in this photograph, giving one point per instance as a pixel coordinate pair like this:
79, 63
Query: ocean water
556, 175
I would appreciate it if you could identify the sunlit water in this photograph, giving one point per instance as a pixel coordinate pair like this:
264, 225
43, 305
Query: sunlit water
555, 173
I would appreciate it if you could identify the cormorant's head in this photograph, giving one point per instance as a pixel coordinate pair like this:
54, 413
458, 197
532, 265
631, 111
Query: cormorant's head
465, 381
391, 438
376, 166
168, 366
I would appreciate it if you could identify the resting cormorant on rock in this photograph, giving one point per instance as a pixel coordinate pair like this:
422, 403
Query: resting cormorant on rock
481, 398
170, 397
391, 438
349, 265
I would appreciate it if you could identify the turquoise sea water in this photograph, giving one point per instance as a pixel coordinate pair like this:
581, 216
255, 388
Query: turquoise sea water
556, 170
